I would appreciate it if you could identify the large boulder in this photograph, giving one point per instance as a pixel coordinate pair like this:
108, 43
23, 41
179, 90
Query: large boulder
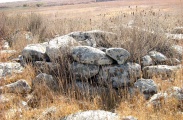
146, 61
60, 46
178, 50
94, 38
146, 86
19, 87
45, 80
35, 52
163, 71
119, 75
84, 71
47, 67
119, 54
10, 68
176, 92
158, 57
93, 115
90, 55
115, 75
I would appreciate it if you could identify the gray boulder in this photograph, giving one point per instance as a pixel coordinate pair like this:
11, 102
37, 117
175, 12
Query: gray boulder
84, 71
35, 52
60, 46
90, 55
93, 115
47, 67
19, 87
157, 56
178, 50
10, 68
115, 75
163, 71
147, 61
94, 38
119, 54
119, 75
146, 86
44, 79
156, 99
176, 92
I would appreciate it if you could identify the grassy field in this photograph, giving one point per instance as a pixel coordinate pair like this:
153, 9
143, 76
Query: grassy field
45, 23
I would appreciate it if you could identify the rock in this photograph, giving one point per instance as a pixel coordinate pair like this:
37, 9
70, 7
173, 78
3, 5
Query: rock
146, 86
84, 71
8, 52
177, 30
176, 92
134, 70
47, 67
9, 68
48, 113
119, 75
94, 38
146, 61
178, 50
35, 52
119, 54
157, 57
60, 47
19, 87
90, 55
115, 75
5, 45
93, 115
173, 61
156, 99
129, 118
44, 79
163, 71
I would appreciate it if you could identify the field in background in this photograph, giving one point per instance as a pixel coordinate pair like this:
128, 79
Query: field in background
45, 23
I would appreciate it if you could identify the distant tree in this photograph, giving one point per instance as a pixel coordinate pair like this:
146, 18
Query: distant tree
38, 4
25, 5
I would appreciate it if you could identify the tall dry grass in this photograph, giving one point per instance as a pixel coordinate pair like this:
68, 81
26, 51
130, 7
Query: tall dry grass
146, 34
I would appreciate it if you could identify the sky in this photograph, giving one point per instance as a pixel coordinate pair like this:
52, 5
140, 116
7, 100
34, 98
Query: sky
3, 1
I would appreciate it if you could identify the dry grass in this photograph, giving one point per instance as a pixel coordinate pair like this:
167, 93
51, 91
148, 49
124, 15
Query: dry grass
45, 25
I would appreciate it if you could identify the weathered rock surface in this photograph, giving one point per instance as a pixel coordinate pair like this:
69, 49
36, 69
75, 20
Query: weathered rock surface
19, 87
93, 115
162, 71
157, 56
119, 75
146, 86
90, 55
147, 61
44, 79
176, 92
84, 71
60, 46
47, 67
178, 50
114, 75
9, 68
94, 38
156, 99
35, 52
119, 54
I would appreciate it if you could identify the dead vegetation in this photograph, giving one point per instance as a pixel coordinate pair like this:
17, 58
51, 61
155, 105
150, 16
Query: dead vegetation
146, 34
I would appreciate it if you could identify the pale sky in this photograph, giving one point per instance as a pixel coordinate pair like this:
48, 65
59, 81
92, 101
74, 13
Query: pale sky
3, 1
